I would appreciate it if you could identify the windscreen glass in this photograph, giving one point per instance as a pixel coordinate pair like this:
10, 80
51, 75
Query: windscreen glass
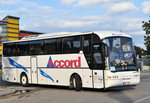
121, 53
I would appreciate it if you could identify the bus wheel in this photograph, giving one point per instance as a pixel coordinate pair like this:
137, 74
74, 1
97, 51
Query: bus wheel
24, 80
76, 82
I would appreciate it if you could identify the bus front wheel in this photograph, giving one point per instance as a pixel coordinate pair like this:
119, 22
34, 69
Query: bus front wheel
24, 80
76, 82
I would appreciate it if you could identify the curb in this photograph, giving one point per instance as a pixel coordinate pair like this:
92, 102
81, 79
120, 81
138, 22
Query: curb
6, 92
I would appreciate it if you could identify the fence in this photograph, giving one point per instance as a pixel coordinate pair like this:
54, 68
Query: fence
144, 63
0, 62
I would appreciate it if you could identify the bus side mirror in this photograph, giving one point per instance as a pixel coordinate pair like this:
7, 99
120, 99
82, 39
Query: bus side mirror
105, 50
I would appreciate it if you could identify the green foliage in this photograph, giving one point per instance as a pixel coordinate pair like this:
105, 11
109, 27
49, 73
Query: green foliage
0, 72
139, 51
146, 28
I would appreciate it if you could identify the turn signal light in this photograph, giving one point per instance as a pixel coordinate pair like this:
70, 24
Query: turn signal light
108, 77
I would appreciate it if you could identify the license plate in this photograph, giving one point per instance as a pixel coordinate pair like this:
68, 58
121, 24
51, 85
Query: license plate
126, 83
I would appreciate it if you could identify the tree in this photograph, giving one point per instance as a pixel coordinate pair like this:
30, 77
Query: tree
139, 51
146, 28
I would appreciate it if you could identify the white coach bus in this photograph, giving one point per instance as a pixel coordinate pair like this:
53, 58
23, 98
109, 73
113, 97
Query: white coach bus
78, 60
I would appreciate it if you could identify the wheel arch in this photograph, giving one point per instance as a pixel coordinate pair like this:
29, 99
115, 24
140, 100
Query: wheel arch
71, 78
24, 74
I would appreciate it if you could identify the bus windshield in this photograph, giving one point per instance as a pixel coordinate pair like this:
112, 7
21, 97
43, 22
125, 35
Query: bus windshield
121, 54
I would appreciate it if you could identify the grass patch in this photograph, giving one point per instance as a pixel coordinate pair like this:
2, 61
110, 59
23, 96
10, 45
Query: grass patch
0, 72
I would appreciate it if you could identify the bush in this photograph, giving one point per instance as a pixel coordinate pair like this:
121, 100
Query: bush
0, 72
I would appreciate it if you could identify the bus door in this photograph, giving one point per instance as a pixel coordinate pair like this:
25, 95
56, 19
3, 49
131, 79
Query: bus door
98, 79
34, 70
92, 51
97, 65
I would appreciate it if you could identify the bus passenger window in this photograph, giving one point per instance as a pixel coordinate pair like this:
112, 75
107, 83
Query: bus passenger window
22, 48
87, 48
97, 57
59, 46
71, 44
50, 46
97, 62
10, 49
36, 47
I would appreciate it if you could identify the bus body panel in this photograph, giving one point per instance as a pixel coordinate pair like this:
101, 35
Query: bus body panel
24, 61
62, 61
10, 74
42, 79
20, 71
61, 76
14, 66
125, 78
34, 74
47, 75
98, 78
87, 78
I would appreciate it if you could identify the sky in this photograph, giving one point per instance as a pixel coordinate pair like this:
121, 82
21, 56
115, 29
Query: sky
49, 16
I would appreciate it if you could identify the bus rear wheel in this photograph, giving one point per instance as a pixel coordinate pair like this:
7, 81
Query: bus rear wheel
76, 82
24, 80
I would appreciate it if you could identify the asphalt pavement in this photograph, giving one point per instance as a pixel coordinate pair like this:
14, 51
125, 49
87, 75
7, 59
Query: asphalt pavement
8, 88
48, 94
4, 90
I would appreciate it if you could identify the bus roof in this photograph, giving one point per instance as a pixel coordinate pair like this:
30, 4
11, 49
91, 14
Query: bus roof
105, 34
101, 34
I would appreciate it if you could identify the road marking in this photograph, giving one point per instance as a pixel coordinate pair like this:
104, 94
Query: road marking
141, 99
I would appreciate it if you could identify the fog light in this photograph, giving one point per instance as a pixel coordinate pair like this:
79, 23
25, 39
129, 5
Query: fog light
137, 75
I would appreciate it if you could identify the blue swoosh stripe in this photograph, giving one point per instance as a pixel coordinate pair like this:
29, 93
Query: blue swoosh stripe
15, 64
46, 75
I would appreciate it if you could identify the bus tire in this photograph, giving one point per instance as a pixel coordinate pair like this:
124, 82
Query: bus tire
24, 80
71, 83
76, 81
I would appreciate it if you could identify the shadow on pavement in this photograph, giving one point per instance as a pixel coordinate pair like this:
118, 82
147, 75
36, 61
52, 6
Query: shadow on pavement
40, 87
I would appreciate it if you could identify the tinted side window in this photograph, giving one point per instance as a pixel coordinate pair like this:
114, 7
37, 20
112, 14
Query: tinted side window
59, 46
97, 62
96, 39
87, 48
23, 48
53, 46
5, 50
71, 44
9, 49
36, 47
50, 46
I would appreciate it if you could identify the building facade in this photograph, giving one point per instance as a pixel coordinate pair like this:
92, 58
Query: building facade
9, 31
